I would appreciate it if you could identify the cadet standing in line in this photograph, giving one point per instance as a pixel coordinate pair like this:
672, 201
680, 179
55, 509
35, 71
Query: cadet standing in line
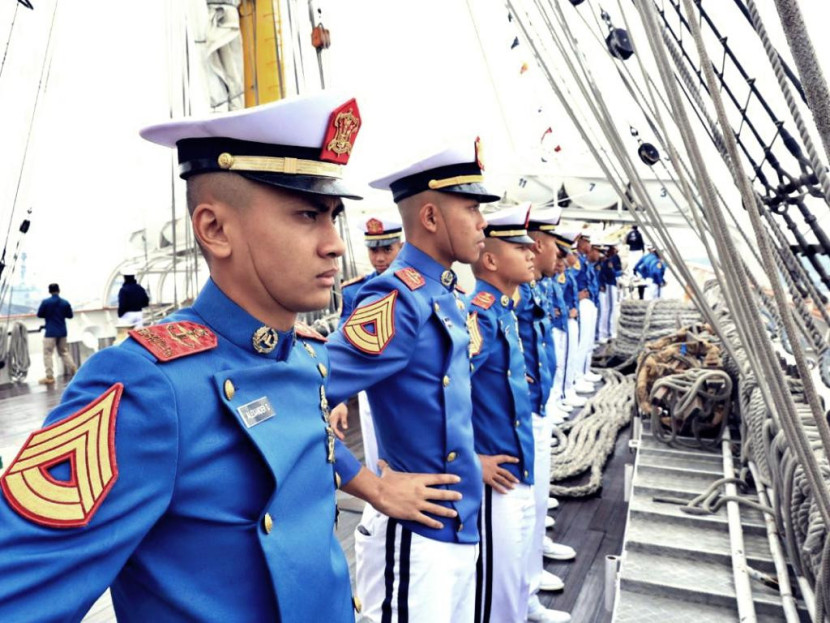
546, 406
407, 344
382, 235
584, 378
502, 419
191, 468
566, 242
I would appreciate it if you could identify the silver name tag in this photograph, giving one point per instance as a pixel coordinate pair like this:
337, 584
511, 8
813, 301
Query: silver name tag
256, 411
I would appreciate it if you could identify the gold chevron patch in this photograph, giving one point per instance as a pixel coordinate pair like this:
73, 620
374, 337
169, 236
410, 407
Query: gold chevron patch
370, 328
475, 334
87, 441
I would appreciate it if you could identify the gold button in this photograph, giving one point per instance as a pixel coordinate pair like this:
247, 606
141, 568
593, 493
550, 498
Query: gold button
267, 523
505, 300
446, 381
436, 307
540, 364
517, 423
356, 603
451, 457
509, 373
460, 304
460, 527
527, 473
230, 390
543, 344
337, 480
322, 369
472, 367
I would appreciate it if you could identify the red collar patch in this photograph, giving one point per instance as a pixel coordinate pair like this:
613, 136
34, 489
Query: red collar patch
172, 340
411, 277
484, 300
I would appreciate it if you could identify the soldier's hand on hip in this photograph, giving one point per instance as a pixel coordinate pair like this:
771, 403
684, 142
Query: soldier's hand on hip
339, 420
495, 475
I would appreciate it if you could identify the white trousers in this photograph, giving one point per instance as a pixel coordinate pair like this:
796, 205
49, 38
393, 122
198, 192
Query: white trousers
403, 577
608, 312
652, 291
367, 431
506, 522
572, 353
587, 330
615, 311
542, 431
560, 343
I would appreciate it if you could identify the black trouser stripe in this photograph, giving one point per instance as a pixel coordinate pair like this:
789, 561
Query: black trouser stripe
386, 608
403, 587
479, 569
488, 570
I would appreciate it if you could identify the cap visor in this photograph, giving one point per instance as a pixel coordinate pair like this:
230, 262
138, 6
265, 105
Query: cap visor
373, 244
311, 184
516, 239
476, 191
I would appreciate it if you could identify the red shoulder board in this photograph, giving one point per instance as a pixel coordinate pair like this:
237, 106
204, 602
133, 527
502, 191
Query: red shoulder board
458, 288
411, 277
172, 340
344, 124
303, 330
351, 282
484, 300
84, 440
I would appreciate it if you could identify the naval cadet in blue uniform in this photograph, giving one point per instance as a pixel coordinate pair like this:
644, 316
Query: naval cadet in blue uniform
382, 235
406, 343
502, 418
567, 279
191, 469
540, 295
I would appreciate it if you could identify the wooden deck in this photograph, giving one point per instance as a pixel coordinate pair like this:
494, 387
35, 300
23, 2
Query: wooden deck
593, 526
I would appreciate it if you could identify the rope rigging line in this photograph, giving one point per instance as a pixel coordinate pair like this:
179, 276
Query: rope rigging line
47, 60
788, 417
788, 183
9, 39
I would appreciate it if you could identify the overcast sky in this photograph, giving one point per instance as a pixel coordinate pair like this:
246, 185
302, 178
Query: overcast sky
418, 69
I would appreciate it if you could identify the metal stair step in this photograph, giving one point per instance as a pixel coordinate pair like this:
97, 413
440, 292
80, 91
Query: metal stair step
646, 608
698, 541
642, 505
690, 580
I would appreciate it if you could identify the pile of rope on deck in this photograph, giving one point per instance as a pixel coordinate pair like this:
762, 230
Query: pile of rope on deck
683, 387
645, 321
775, 466
586, 442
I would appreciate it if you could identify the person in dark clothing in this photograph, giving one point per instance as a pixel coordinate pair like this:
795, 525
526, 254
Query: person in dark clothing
132, 298
55, 311
634, 239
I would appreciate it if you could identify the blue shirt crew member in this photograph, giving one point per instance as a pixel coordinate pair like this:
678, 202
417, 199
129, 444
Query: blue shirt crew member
382, 236
566, 277
407, 344
534, 330
502, 419
55, 311
208, 467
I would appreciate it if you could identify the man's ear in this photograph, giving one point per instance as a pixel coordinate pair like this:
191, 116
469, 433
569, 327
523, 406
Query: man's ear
428, 215
210, 226
489, 261
537, 246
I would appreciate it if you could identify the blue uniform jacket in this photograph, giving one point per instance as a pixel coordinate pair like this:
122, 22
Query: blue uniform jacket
212, 516
55, 311
534, 329
608, 272
593, 281
643, 266
658, 271
349, 291
501, 400
407, 345
571, 289
581, 272
559, 308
